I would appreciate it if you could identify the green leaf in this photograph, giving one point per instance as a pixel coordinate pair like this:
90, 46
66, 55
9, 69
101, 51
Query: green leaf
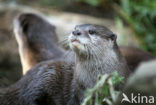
93, 2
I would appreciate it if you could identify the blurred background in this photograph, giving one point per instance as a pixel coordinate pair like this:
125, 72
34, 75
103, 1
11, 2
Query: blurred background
134, 21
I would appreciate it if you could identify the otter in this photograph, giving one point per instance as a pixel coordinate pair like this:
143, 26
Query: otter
36, 39
59, 82
96, 53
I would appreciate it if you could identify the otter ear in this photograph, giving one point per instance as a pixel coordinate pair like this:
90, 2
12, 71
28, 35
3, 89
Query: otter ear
113, 36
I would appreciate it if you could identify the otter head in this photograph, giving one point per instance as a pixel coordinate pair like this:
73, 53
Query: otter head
89, 39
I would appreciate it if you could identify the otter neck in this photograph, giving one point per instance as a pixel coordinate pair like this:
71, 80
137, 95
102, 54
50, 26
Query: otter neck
87, 70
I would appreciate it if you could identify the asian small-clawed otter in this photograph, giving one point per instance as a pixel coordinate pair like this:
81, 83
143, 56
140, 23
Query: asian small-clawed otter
96, 53
60, 82
37, 40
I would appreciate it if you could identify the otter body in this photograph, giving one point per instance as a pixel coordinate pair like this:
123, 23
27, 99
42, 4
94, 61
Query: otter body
60, 82
48, 83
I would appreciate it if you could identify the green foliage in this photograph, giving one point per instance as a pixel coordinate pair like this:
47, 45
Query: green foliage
53, 2
103, 91
91, 2
141, 17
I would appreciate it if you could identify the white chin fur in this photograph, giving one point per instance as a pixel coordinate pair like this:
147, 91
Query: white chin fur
75, 43
77, 46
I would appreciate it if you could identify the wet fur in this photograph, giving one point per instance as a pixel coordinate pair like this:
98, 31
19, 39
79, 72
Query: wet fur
48, 83
36, 39
55, 83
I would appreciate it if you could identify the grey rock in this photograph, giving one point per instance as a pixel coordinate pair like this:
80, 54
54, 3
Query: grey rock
142, 85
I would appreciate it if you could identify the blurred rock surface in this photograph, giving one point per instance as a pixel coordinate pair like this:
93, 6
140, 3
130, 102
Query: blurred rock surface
141, 83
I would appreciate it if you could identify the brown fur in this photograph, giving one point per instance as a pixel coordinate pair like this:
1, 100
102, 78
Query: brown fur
49, 83
53, 83
36, 39
135, 56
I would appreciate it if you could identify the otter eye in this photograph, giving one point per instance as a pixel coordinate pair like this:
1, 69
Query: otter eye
91, 32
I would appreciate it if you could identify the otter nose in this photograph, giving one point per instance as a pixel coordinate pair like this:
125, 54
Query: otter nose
76, 33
